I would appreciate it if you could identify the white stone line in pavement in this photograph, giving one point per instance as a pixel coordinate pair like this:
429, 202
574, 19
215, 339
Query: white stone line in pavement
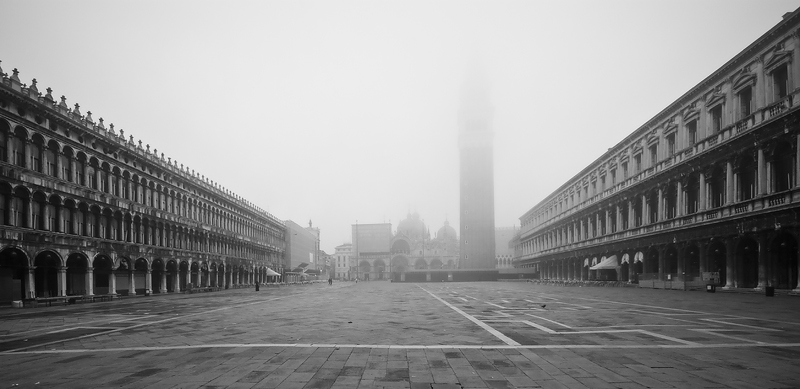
742, 325
687, 310
140, 325
493, 304
653, 334
418, 347
496, 333
559, 302
465, 300
551, 321
717, 332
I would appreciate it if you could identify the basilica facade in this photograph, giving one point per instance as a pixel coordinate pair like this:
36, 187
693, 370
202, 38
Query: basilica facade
411, 247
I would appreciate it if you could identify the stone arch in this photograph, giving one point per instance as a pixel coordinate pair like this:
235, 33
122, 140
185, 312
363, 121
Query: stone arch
638, 264
625, 267
651, 261
104, 277
14, 265
783, 262
436, 263
380, 269
399, 263
747, 253
77, 266
670, 261
47, 263
716, 259
183, 278
691, 260
158, 276
420, 264
401, 245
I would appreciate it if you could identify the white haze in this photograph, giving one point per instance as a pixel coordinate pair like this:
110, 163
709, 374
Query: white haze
345, 111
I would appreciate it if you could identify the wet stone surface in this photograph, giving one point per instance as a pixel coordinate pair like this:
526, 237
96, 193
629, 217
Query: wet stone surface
393, 335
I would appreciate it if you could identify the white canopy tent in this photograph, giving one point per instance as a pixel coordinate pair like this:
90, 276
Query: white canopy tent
606, 263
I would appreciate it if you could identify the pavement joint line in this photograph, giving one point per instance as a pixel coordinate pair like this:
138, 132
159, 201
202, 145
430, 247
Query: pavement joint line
419, 347
493, 304
140, 325
481, 324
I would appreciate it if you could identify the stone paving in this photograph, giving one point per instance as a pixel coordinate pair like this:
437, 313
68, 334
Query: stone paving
393, 335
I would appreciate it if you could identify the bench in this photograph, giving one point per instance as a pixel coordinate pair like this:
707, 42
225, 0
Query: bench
48, 301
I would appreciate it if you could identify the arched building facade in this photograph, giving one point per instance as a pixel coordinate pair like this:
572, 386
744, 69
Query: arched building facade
410, 248
83, 210
707, 188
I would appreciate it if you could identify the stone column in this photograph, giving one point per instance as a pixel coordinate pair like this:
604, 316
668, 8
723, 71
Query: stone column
797, 289
701, 197
730, 264
763, 268
112, 283
131, 282
660, 210
762, 173
28, 156
90, 281
679, 211
62, 281
31, 282
645, 211
10, 149
729, 183
148, 281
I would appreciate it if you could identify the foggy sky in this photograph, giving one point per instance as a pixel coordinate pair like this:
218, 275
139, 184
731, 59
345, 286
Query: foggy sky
346, 111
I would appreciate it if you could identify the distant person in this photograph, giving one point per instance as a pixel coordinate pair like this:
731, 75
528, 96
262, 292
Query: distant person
330, 281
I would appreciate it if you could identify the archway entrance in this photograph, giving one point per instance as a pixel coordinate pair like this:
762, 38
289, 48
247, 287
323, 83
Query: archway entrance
46, 274
625, 268
691, 262
364, 269
748, 252
13, 275
784, 261
76, 274
670, 262
103, 266
717, 261
380, 269
183, 275
172, 272
158, 275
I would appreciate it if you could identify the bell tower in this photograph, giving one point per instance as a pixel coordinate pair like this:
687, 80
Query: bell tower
476, 154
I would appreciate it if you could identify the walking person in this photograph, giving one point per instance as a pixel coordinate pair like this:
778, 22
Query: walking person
330, 281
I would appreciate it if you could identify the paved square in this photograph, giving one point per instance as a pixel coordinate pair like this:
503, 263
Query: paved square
431, 335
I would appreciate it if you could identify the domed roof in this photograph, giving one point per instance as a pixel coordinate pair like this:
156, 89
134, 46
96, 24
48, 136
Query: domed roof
412, 226
446, 232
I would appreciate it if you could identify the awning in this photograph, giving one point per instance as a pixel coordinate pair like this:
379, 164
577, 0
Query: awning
271, 272
626, 258
639, 257
608, 263
586, 262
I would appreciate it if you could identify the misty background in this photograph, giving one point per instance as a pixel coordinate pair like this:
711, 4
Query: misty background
345, 111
